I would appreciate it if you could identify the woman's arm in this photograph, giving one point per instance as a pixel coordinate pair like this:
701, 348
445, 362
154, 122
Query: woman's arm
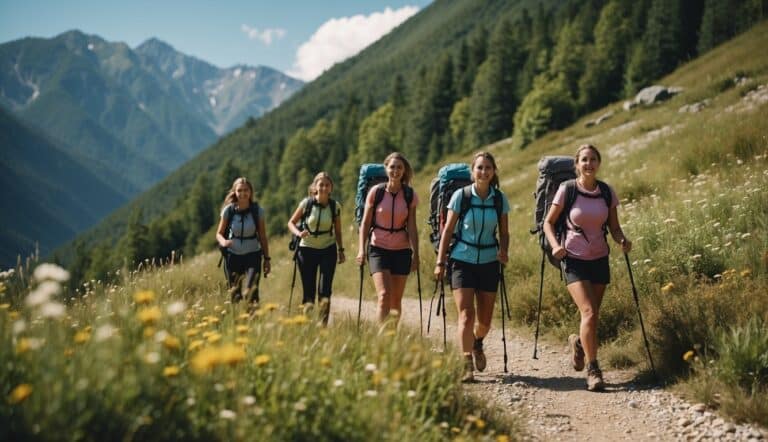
558, 251
220, 232
503, 254
293, 222
445, 241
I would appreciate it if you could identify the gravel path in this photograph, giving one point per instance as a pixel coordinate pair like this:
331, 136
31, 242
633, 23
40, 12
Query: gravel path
551, 397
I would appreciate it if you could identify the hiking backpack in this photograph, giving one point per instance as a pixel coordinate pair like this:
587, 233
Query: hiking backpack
449, 179
554, 170
309, 203
375, 175
230, 214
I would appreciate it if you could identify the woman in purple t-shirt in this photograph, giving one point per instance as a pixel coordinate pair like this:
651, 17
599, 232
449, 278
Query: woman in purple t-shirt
584, 253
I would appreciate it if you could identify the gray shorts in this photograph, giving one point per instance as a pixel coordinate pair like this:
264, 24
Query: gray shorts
596, 271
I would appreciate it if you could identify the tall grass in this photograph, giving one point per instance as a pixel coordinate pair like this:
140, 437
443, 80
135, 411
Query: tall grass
164, 356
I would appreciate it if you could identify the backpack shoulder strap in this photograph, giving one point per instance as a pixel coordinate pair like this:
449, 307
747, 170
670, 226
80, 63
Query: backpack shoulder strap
332, 205
380, 189
605, 192
570, 195
498, 204
466, 200
408, 194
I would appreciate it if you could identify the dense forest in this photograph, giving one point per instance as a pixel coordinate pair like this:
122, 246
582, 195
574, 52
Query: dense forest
457, 76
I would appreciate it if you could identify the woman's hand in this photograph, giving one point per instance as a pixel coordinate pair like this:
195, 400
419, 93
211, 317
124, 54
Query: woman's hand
341, 257
304, 234
414, 263
559, 252
227, 243
626, 245
267, 267
360, 259
439, 271
502, 257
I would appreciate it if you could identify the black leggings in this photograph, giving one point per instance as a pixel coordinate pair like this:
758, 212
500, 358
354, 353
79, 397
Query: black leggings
248, 267
309, 261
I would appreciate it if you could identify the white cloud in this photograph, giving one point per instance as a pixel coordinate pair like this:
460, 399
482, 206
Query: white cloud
340, 38
265, 36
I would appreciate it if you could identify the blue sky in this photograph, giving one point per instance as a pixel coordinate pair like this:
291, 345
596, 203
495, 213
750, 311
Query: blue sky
297, 37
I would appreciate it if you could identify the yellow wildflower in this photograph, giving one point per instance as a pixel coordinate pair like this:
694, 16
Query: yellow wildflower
261, 360
4, 306
652, 270
231, 354
242, 340
82, 337
745, 273
437, 363
689, 355
13, 315
68, 352
144, 297
667, 287
171, 342
480, 424
214, 337
212, 319
279, 343
242, 329
20, 393
270, 306
194, 345
296, 320
23, 346
149, 332
171, 371
192, 332
502, 438
149, 315
325, 361
205, 360
244, 316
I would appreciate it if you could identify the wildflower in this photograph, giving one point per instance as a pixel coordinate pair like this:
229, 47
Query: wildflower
204, 360
371, 393
43, 293
300, 406
175, 308
20, 393
192, 332
144, 297
248, 400
745, 235
652, 270
51, 272
244, 317
480, 424
410, 394
437, 363
152, 358
214, 337
149, 332
325, 361
370, 367
745, 273
242, 340
171, 371
194, 345
23, 346
667, 287
4, 306
688, 355
338, 383
227, 414
53, 310
231, 354
171, 342
502, 438
149, 315
242, 329
82, 337
271, 306
261, 360
104, 332
19, 326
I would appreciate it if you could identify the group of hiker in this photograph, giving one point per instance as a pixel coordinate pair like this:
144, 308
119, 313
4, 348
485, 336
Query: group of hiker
470, 235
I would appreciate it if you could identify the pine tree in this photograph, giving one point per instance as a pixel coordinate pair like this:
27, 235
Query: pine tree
717, 24
198, 213
132, 247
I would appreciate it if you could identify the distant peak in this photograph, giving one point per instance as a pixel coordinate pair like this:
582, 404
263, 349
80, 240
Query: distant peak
155, 45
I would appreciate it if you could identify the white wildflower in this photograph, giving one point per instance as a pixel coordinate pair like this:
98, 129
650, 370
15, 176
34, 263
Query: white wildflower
152, 357
104, 332
53, 310
371, 393
19, 326
52, 272
7, 274
370, 367
410, 393
746, 235
300, 406
248, 400
227, 414
218, 387
161, 335
176, 308
646, 261
43, 293
35, 343
191, 401
696, 256
338, 383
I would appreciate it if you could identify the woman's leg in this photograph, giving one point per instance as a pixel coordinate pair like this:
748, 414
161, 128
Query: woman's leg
327, 263
398, 288
465, 305
485, 303
308, 264
588, 298
383, 282
252, 275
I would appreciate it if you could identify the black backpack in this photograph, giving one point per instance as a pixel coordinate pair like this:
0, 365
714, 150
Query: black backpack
230, 213
554, 170
449, 179
308, 204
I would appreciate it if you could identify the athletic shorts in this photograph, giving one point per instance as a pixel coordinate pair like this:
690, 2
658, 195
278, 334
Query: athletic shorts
398, 262
595, 271
482, 277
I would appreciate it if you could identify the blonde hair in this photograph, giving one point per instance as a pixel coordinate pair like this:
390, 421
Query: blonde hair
231, 197
584, 147
487, 156
408, 173
313, 187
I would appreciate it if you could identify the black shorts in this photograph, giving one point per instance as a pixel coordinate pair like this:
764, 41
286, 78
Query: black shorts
482, 277
595, 271
398, 262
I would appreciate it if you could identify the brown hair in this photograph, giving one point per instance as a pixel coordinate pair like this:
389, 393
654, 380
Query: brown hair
582, 148
231, 197
313, 187
408, 173
487, 155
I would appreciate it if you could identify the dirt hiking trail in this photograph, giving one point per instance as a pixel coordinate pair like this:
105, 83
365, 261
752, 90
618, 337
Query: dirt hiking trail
551, 398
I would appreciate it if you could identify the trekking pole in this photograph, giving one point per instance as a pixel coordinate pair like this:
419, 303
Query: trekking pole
538, 313
639, 314
293, 282
421, 314
360, 300
442, 302
429, 315
503, 332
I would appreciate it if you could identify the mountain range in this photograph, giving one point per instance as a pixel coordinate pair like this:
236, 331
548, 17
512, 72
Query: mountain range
128, 116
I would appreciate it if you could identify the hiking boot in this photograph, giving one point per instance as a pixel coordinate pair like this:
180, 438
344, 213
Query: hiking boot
469, 367
479, 354
577, 352
325, 310
595, 378
307, 308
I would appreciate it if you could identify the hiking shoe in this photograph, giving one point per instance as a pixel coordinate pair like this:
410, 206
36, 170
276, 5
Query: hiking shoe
479, 354
595, 379
469, 367
577, 352
325, 310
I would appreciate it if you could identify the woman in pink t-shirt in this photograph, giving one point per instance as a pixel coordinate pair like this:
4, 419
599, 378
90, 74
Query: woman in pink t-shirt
394, 243
584, 253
